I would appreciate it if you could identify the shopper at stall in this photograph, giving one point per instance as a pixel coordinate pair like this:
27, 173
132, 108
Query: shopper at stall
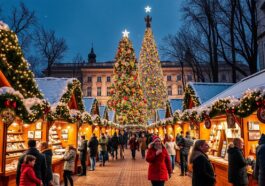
184, 146
159, 169
69, 164
115, 145
202, 169
47, 152
93, 151
28, 176
143, 144
260, 161
83, 155
134, 145
237, 172
103, 142
40, 165
171, 150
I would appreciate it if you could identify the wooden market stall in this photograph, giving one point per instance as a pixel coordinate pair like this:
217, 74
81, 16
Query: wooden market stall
64, 118
236, 112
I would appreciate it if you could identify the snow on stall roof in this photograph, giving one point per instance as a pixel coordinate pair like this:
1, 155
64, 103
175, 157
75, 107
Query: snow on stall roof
161, 113
88, 102
111, 115
175, 104
253, 81
205, 91
53, 88
102, 111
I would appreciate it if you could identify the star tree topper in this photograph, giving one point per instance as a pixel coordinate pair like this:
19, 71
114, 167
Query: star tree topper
148, 9
125, 33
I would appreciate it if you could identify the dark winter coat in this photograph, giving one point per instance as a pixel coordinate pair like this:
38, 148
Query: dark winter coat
83, 150
203, 173
93, 146
39, 167
260, 162
237, 172
159, 165
115, 142
185, 144
28, 177
48, 157
122, 139
133, 144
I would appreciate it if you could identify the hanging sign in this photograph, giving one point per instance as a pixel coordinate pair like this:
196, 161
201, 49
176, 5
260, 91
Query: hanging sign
230, 119
207, 123
261, 114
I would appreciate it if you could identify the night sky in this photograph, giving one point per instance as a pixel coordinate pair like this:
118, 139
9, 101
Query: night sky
82, 22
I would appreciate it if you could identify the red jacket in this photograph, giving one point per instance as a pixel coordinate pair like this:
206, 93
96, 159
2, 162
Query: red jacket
159, 165
28, 177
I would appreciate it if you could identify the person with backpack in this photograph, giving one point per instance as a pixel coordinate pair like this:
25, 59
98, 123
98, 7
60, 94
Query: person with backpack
47, 152
184, 146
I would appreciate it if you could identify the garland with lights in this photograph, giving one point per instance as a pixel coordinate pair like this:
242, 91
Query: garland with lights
29, 110
14, 66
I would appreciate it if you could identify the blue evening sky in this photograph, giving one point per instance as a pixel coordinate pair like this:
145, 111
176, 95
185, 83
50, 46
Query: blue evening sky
82, 22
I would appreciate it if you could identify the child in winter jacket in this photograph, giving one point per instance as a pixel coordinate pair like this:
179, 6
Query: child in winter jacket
28, 177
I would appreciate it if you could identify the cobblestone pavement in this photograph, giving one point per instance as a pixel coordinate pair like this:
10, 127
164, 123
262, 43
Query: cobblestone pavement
126, 172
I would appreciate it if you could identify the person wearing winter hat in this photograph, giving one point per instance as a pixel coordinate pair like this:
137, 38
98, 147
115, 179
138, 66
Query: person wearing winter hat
159, 169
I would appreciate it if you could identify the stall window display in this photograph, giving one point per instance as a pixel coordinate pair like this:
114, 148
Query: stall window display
220, 138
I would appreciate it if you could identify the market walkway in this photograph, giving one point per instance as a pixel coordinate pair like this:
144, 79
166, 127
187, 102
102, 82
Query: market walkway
126, 172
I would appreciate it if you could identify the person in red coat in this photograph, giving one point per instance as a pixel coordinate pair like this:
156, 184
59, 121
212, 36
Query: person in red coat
159, 169
28, 176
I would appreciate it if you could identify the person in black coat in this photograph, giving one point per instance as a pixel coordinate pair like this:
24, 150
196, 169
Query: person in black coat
40, 165
203, 173
115, 145
48, 157
260, 162
122, 142
237, 172
83, 155
93, 150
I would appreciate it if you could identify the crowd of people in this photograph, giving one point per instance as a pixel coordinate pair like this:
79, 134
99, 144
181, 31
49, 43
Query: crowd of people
35, 165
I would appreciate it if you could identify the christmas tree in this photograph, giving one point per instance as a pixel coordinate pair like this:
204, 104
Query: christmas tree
150, 72
126, 94
14, 66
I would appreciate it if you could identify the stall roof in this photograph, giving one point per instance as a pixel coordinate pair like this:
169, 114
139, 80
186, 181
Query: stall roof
89, 102
102, 111
251, 82
111, 115
175, 104
161, 114
205, 91
150, 121
53, 88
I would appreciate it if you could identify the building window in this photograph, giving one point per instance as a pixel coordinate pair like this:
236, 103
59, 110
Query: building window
189, 77
108, 79
168, 78
180, 90
108, 91
169, 90
178, 77
99, 79
89, 79
99, 91
89, 91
